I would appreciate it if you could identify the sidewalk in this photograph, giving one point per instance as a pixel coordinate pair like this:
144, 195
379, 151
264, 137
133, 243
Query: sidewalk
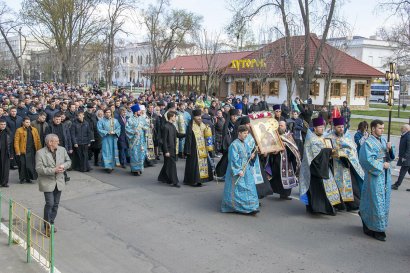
13, 259
395, 110
404, 120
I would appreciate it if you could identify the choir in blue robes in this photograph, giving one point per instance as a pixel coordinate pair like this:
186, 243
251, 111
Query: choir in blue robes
375, 199
109, 142
242, 196
136, 128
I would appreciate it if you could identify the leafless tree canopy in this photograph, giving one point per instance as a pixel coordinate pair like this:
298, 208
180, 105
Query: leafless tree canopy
67, 27
10, 25
118, 13
168, 29
300, 17
398, 34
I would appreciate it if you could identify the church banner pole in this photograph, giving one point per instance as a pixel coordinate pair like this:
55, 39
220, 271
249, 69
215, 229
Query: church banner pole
391, 76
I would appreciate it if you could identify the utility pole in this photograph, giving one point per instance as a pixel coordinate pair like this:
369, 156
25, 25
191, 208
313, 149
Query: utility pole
21, 56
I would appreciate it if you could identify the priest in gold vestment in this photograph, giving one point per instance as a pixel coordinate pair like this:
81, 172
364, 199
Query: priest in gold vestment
198, 143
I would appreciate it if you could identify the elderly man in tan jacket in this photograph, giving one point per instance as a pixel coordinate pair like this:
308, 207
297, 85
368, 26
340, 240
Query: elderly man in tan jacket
51, 162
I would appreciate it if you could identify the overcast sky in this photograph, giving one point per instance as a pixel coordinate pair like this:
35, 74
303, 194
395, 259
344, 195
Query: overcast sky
359, 14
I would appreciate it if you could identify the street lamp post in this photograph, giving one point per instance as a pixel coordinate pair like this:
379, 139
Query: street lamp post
181, 71
174, 70
391, 76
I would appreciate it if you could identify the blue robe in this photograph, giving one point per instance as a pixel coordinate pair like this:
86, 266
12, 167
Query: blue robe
135, 129
375, 200
187, 118
346, 148
256, 173
109, 142
240, 197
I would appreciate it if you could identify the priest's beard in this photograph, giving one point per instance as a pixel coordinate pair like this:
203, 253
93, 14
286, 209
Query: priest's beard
281, 131
338, 134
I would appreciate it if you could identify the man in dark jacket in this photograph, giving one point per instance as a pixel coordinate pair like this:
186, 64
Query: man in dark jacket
404, 156
255, 107
32, 113
71, 113
263, 104
51, 110
81, 137
92, 120
122, 139
22, 109
41, 125
5, 153
285, 109
13, 123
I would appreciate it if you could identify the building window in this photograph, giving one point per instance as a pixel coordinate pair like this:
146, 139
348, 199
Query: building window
132, 59
335, 89
255, 88
274, 88
240, 87
314, 89
359, 90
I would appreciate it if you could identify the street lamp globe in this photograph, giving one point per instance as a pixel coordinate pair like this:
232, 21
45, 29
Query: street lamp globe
301, 70
318, 71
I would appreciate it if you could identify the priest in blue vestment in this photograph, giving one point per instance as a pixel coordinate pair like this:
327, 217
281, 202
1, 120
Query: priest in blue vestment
240, 193
109, 130
136, 129
347, 171
375, 157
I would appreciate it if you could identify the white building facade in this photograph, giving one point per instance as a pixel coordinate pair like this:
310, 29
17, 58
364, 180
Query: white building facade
129, 63
23, 49
372, 51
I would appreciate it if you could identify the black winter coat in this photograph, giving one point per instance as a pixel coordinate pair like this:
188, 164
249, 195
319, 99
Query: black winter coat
55, 129
81, 133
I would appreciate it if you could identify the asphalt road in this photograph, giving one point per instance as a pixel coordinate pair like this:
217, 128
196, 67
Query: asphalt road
121, 223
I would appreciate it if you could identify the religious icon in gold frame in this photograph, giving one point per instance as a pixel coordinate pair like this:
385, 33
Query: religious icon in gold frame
265, 133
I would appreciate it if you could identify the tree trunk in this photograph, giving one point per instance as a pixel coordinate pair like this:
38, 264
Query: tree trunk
6, 40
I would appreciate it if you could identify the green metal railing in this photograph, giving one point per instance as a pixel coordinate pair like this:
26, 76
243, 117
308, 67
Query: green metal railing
30, 231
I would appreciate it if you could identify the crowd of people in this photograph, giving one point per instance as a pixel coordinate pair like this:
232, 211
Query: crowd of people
333, 170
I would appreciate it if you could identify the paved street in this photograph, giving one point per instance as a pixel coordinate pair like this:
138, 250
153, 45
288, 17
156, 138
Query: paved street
121, 223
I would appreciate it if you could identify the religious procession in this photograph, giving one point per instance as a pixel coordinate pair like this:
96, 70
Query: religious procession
255, 149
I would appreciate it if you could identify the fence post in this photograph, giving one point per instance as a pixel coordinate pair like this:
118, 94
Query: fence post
0, 206
52, 249
28, 236
10, 220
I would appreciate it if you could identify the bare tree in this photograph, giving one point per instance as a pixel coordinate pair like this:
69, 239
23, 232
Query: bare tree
10, 24
209, 46
167, 30
398, 34
307, 16
67, 27
118, 11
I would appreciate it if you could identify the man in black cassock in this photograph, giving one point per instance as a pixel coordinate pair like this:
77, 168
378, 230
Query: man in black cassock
317, 187
168, 172
198, 166
229, 134
5, 153
284, 166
